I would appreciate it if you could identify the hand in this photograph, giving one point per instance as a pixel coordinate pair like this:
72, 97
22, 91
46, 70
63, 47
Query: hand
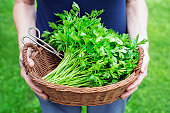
30, 83
143, 73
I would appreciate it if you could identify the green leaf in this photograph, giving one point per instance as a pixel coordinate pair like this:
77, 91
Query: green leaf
75, 7
52, 25
46, 34
143, 41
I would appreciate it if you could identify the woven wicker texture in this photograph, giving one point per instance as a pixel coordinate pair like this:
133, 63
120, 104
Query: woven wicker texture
45, 62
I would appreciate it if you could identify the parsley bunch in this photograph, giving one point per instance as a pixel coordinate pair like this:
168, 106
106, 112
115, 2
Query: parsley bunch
93, 55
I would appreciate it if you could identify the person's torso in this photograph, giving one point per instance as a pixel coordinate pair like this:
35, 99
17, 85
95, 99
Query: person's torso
114, 16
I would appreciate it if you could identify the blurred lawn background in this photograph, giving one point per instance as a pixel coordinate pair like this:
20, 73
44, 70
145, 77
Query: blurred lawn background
153, 95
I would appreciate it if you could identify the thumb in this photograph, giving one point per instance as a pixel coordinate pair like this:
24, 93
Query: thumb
145, 65
30, 62
142, 69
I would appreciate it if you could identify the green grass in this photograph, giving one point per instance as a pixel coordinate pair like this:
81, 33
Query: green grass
151, 97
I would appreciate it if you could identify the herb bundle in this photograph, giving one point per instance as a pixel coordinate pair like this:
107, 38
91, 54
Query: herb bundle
93, 55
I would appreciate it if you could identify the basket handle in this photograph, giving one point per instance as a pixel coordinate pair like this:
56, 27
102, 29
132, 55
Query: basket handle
24, 54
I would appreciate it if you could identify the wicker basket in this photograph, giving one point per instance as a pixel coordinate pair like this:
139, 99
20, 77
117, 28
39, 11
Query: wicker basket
45, 62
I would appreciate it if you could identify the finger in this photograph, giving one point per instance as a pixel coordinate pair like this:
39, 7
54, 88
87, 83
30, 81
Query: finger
21, 64
41, 95
30, 83
128, 93
20, 60
144, 68
30, 62
137, 82
145, 63
22, 72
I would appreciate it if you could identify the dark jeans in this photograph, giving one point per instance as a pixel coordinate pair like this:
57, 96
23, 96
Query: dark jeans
116, 107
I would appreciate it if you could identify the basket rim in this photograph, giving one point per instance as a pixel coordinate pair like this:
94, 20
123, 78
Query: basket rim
57, 87
86, 89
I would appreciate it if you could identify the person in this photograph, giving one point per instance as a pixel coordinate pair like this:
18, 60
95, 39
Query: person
124, 16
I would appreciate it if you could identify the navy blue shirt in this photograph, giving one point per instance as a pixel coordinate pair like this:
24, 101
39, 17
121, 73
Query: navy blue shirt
114, 16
